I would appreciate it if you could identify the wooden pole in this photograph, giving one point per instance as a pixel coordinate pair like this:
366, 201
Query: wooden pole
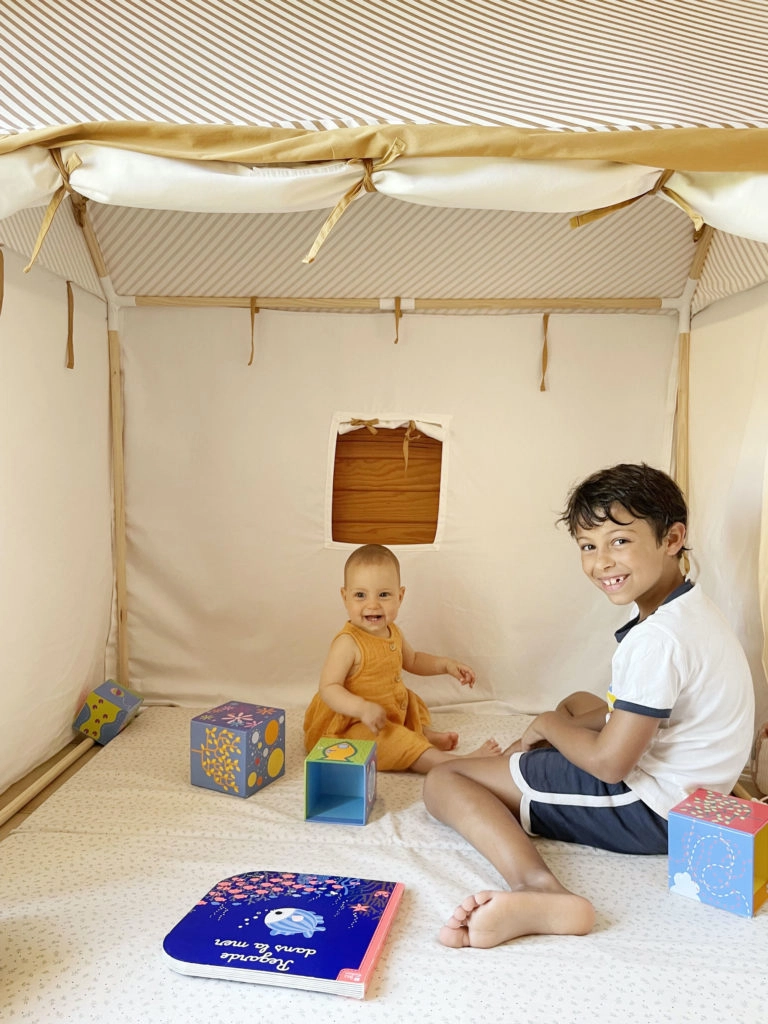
116, 412
118, 478
681, 411
682, 406
374, 305
31, 791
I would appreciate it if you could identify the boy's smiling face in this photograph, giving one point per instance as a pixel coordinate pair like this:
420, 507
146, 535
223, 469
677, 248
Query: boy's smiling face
626, 562
372, 596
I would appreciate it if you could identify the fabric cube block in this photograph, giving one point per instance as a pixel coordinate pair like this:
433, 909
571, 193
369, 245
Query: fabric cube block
107, 711
340, 781
237, 748
718, 851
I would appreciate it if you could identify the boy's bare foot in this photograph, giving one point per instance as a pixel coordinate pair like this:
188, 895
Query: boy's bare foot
442, 740
490, 918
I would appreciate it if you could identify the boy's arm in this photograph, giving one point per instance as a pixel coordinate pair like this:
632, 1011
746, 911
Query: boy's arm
609, 754
421, 664
341, 658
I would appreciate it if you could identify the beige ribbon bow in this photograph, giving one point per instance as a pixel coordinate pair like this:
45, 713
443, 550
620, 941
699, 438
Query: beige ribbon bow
364, 185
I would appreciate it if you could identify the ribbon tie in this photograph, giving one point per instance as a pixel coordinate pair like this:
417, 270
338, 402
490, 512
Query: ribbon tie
370, 425
78, 202
364, 185
411, 434
661, 186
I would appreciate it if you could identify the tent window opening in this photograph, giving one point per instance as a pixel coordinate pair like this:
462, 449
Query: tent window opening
386, 485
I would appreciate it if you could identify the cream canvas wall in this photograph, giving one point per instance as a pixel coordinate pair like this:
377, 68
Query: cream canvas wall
729, 441
233, 591
55, 514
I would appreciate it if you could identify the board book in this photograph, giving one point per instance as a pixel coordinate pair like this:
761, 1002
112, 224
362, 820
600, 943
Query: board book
318, 932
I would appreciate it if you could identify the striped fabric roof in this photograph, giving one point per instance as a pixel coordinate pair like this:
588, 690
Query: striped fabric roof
571, 65
380, 248
574, 68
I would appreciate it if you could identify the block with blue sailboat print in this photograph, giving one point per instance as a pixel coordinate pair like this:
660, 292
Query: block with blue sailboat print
718, 851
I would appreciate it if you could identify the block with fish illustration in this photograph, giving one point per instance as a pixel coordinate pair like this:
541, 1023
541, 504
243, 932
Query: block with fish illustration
718, 851
340, 781
106, 711
237, 748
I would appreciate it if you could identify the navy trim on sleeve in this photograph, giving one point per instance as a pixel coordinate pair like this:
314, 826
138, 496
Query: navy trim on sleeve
641, 709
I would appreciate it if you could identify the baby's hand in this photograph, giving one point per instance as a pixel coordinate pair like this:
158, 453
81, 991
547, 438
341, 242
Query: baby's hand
463, 673
374, 717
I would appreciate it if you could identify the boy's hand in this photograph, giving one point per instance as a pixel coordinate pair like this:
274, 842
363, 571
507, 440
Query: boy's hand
374, 717
532, 737
463, 673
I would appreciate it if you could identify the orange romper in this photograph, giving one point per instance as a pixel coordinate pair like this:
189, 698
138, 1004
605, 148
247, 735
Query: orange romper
378, 679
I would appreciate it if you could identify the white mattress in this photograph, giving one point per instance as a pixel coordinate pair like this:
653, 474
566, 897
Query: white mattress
92, 881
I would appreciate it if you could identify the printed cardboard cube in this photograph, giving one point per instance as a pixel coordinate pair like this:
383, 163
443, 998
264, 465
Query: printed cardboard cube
718, 851
340, 781
107, 711
237, 748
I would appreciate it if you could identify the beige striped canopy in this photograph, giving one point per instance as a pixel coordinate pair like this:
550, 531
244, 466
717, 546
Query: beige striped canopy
212, 140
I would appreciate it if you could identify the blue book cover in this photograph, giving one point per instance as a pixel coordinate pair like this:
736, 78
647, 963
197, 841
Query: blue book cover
320, 932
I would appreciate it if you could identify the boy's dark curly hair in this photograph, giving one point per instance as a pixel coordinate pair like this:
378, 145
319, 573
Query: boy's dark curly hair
645, 492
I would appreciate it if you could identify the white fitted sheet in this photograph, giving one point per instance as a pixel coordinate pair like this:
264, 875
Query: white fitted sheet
94, 879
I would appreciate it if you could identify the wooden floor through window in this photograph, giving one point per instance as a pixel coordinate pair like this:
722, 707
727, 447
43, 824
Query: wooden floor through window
376, 500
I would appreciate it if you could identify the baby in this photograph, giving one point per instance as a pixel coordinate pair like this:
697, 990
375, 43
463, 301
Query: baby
361, 694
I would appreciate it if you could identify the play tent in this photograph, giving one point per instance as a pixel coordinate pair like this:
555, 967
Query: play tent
229, 227
542, 227
537, 232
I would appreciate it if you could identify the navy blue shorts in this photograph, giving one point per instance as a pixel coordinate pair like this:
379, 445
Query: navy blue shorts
560, 801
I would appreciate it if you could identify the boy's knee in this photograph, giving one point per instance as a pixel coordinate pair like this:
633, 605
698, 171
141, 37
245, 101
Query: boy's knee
577, 703
436, 781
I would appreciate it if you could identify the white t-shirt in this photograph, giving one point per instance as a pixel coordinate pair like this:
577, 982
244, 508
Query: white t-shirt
684, 665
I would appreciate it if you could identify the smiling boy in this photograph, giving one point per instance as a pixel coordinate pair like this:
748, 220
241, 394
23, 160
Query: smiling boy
362, 694
679, 715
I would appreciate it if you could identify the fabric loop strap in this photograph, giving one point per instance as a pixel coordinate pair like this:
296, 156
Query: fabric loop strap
365, 184
78, 201
254, 310
70, 327
398, 317
544, 354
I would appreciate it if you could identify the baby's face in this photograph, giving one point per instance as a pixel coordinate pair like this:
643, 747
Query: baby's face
372, 596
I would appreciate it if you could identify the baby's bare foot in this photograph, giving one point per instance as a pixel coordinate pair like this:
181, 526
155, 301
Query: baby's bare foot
442, 740
490, 918
489, 749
